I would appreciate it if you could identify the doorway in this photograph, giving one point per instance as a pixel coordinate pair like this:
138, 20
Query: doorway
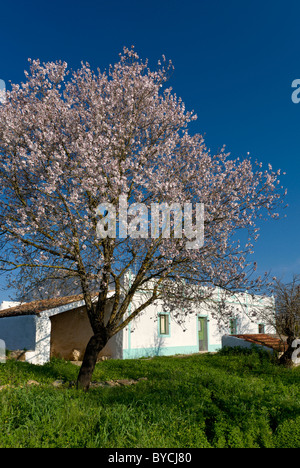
202, 333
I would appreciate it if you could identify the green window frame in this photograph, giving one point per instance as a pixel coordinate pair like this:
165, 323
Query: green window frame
233, 326
164, 324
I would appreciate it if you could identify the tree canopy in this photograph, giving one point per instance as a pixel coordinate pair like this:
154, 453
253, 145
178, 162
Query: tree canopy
73, 140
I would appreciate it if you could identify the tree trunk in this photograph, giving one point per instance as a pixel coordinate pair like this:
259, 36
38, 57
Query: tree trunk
286, 358
95, 345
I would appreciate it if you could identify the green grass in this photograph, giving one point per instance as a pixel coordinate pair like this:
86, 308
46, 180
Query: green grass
229, 399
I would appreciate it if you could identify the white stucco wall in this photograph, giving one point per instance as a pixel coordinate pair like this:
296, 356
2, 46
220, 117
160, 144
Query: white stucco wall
141, 337
7, 304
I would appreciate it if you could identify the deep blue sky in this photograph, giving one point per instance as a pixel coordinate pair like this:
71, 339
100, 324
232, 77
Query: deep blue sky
234, 65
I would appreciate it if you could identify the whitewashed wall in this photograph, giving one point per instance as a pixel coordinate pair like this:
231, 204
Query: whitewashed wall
141, 337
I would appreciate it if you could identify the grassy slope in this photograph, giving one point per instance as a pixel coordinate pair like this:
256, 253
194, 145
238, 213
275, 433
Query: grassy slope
220, 400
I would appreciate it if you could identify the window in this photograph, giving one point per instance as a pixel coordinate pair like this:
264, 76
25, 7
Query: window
261, 328
164, 326
233, 326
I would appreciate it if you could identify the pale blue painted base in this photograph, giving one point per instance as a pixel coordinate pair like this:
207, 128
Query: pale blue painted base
136, 353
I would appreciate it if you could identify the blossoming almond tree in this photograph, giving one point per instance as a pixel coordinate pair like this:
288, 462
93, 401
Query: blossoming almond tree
70, 141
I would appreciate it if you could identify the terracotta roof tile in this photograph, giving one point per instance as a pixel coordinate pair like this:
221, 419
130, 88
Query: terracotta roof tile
270, 341
35, 307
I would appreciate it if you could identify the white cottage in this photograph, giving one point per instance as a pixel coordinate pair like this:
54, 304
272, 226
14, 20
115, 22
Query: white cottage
156, 332
60, 327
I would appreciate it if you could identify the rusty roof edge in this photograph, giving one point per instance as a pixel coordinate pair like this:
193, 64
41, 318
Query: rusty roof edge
36, 307
264, 339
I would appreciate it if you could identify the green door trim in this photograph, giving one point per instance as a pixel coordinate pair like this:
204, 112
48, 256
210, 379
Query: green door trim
202, 332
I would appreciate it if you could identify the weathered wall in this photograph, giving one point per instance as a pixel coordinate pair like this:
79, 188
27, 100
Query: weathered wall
71, 331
